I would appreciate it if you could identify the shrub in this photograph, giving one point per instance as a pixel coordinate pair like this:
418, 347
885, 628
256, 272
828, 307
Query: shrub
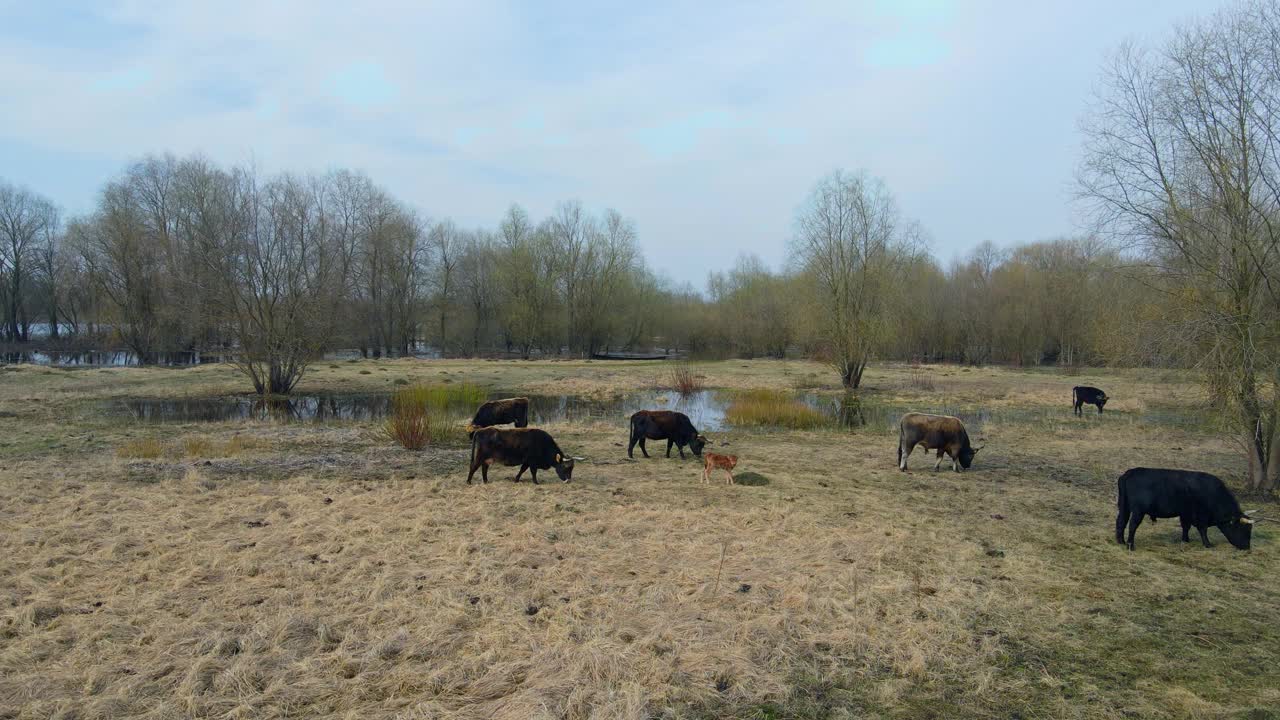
922, 380
197, 446
201, 446
683, 380
420, 414
453, 397
146, 448
773, 408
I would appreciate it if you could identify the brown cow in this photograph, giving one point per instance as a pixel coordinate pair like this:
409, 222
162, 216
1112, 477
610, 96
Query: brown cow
501, 412
944, 433
530, 448
711, 461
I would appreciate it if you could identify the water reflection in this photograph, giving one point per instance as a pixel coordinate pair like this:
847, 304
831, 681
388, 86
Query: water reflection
706, 409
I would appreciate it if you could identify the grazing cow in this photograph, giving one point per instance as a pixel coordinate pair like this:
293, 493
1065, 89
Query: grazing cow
501, 412
1085, 395
530, 448
944, 433
711, 460
674, 427
1198, 499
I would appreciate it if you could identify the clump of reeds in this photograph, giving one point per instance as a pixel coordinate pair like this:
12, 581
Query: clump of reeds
202, 446
683, 380
921, 379
773, 408
460, 397
420, 414
141, 449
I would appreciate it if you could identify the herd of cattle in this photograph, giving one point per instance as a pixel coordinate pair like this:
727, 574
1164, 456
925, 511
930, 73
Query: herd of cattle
1199, 500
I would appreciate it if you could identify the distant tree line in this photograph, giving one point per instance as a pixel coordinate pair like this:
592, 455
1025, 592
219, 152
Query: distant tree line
183, 255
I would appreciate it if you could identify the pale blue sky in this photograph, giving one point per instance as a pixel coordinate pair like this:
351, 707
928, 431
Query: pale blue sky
707, 123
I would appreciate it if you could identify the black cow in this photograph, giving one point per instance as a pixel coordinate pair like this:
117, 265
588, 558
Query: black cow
1085, 395
530, 448
1199, 499
501, 412
674, 427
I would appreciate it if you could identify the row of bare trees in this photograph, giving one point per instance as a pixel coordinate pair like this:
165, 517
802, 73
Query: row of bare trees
181, 255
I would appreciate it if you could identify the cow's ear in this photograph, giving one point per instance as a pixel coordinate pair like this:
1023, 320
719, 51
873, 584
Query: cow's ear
557, 457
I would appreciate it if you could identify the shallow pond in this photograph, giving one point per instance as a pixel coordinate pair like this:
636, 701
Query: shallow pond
706, 409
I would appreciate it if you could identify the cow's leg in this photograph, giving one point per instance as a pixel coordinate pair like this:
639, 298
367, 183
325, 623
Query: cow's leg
643, 451
1076, 409
903, 454
484, 473
669, 447
631, 444
1099, 408
521, 472
681, 449
729, 472
1186, 527
939, 463
955, 463
1134, 521
1122, 517
1204, 535
534, 473
473, 471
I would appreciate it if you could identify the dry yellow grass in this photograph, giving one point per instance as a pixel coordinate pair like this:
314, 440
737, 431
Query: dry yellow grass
332, 575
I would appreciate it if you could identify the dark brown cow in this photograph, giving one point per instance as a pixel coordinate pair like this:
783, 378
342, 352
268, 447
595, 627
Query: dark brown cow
674, 427
530, 448
944, 433
501, 412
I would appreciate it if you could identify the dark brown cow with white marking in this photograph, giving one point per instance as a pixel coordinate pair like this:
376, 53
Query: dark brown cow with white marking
531, 448
943, 433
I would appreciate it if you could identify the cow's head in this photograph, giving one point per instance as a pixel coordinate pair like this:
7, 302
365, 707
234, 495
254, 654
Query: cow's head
564, 467
1239, 532
1102, 401
966, 455
697, 443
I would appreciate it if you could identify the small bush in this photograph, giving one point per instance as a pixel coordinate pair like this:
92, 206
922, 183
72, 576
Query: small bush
200, 446
460, 397
773, 408
921, 379
144, 449
197, 446
420, 414
683, 380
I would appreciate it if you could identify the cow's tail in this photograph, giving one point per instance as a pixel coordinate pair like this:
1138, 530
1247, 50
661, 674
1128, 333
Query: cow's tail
473, 450
901, 431
1122, 507
1075, 396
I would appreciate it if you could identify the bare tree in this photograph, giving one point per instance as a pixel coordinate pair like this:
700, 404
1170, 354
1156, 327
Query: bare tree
24, 219
851, 238
1182, 167
276, 266
445, 248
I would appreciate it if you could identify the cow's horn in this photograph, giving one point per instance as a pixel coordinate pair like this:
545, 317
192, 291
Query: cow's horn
576, 457
1246, 520
1249, 513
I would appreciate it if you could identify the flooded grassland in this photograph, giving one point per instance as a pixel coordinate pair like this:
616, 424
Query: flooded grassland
172, 547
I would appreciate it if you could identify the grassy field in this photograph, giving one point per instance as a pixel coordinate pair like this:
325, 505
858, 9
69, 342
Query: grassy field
271, 570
